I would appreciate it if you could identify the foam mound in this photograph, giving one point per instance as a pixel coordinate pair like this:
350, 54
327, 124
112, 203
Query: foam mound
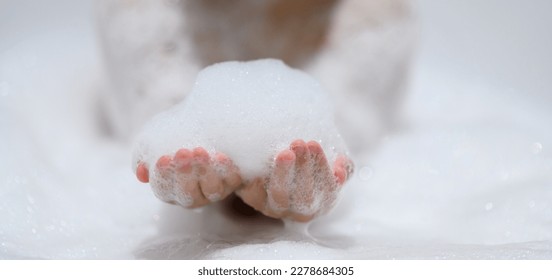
249, 111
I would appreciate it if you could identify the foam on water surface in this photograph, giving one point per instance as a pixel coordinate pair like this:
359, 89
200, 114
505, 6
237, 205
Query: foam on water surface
249, 111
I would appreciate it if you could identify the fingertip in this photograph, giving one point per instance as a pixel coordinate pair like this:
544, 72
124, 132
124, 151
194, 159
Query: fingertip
201, 154
183, 155
285, 156
222, 158
142, 173
314, 147
299, 147
182, 160
340, 175
298, 142
163, 162
346, 164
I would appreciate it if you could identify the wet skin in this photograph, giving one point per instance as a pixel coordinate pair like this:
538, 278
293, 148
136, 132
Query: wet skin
300, 186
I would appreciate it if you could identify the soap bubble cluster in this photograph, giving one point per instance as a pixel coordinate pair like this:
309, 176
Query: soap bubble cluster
247, 110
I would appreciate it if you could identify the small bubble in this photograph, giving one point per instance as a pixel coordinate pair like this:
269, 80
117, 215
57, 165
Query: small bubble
365, 173
532, 203
155, 217
275, 251
489, 206
536, 148
33, 230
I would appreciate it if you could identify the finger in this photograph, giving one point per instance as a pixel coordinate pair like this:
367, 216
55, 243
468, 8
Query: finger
163, 165
142, 173
281, 181
343, 168
303, 194
318, 156
183, 160
299, 147
203, 183
163, 180
211, 184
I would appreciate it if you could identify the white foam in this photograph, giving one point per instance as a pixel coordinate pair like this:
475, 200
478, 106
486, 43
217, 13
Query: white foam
247, 110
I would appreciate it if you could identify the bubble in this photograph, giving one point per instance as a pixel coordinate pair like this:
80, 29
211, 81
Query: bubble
489, 206
532, 203
365, 173
536, 148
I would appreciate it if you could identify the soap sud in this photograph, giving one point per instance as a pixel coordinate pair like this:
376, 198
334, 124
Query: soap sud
249, 111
